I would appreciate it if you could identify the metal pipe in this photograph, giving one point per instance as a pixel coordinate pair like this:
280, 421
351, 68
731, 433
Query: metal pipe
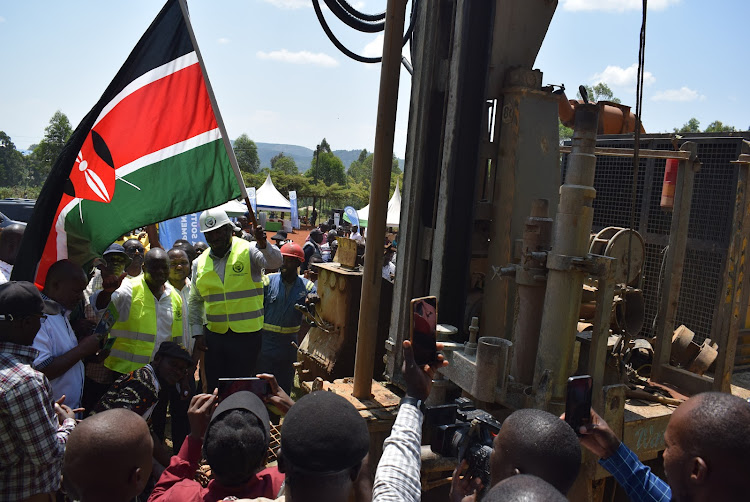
530, 279
369, 306
572, 231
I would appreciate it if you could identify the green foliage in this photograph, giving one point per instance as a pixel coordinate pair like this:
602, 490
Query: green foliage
56, 134
326, 167
692, 125
600, 92
247, 154
283, 164
360, 170
12, 163
566, 133
717, 126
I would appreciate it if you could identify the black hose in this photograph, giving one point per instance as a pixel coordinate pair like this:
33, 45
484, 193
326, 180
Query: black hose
360, 15
341, 47
332, 38
353, 22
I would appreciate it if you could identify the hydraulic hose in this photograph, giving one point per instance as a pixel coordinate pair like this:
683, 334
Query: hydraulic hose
352, 18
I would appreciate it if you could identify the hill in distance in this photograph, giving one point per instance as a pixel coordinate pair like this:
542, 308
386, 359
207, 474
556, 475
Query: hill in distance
303, 155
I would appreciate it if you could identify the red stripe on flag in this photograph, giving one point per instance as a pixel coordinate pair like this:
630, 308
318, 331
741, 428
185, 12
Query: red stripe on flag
49, 256
163, 113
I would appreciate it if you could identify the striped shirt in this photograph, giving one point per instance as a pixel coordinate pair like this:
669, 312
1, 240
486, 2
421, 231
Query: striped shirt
397, 478
637, 480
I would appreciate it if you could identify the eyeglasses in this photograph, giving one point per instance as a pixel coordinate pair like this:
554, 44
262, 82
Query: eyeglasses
176, 264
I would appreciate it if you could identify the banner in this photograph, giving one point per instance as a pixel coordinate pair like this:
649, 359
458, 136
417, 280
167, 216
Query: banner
293, 203
351, 215
183, 227
251, 196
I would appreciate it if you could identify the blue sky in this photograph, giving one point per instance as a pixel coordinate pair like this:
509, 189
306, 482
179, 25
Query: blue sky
280, 80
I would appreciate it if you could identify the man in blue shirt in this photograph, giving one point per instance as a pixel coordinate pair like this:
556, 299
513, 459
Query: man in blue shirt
281, 324
706, 455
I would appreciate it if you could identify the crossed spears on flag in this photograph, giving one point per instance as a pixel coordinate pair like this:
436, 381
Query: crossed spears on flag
94, 181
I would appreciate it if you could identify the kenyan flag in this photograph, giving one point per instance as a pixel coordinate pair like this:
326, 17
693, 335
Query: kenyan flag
152, 148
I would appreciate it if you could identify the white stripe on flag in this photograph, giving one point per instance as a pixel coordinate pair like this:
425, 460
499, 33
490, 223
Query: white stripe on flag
170, 151
149, 77
146, 160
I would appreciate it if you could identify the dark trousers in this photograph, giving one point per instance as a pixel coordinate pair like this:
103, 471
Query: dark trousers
178, 409
92, 393
278, 356
231, 355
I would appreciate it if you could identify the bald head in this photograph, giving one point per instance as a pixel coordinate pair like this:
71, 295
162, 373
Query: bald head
524, 488
10, 241
155, 254
539, 443
707, 448
65, 283
108, 457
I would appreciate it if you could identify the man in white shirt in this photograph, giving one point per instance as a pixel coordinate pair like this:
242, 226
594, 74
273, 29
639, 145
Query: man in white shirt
356, 236
10, 241
60, 352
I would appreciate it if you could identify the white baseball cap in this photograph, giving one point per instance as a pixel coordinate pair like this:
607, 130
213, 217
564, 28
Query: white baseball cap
211, 219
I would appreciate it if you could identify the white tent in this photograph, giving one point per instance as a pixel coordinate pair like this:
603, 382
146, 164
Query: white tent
392, 216
234, 208
267, 198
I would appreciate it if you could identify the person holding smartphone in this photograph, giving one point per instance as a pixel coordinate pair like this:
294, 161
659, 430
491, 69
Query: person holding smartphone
397, 477
706, 455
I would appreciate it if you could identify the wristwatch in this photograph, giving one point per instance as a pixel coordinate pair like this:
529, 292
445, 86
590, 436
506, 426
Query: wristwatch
417, 403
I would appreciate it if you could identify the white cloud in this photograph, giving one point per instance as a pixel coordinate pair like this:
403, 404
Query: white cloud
223, 41
2, 19
614, 76
301, 57
615, 5
375, 48
681, 94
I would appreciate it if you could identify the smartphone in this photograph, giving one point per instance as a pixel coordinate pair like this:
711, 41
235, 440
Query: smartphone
258, 386
108, 319
424, 329
578, 402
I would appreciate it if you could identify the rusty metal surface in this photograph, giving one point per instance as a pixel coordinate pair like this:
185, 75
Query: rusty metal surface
330, 355
572, 230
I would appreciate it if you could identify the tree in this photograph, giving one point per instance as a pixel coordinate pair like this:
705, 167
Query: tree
717, 126
282, 163
565, 133
600, 92
56, 134
327, 167
246, 152
12, 163
692, 125
361, 169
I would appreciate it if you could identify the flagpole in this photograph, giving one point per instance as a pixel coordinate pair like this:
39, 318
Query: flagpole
219, 119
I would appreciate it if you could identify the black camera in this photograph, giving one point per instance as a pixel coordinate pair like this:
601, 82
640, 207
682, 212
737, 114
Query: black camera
461, 430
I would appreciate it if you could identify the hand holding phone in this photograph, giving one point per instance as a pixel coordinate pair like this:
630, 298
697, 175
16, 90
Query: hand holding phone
424, 329
578, 402
258, 386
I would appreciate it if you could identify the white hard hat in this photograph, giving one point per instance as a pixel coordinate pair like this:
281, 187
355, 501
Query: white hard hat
211, 219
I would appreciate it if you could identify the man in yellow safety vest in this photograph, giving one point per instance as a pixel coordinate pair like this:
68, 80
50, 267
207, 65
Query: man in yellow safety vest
149, 312
227, 290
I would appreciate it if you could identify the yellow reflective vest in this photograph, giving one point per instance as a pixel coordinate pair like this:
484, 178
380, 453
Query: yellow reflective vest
236, 303
136, 337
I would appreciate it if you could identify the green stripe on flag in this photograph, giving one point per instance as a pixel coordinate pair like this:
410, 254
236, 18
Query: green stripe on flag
194, 180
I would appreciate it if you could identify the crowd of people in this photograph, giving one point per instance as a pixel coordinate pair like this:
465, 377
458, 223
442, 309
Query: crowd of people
92, 366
